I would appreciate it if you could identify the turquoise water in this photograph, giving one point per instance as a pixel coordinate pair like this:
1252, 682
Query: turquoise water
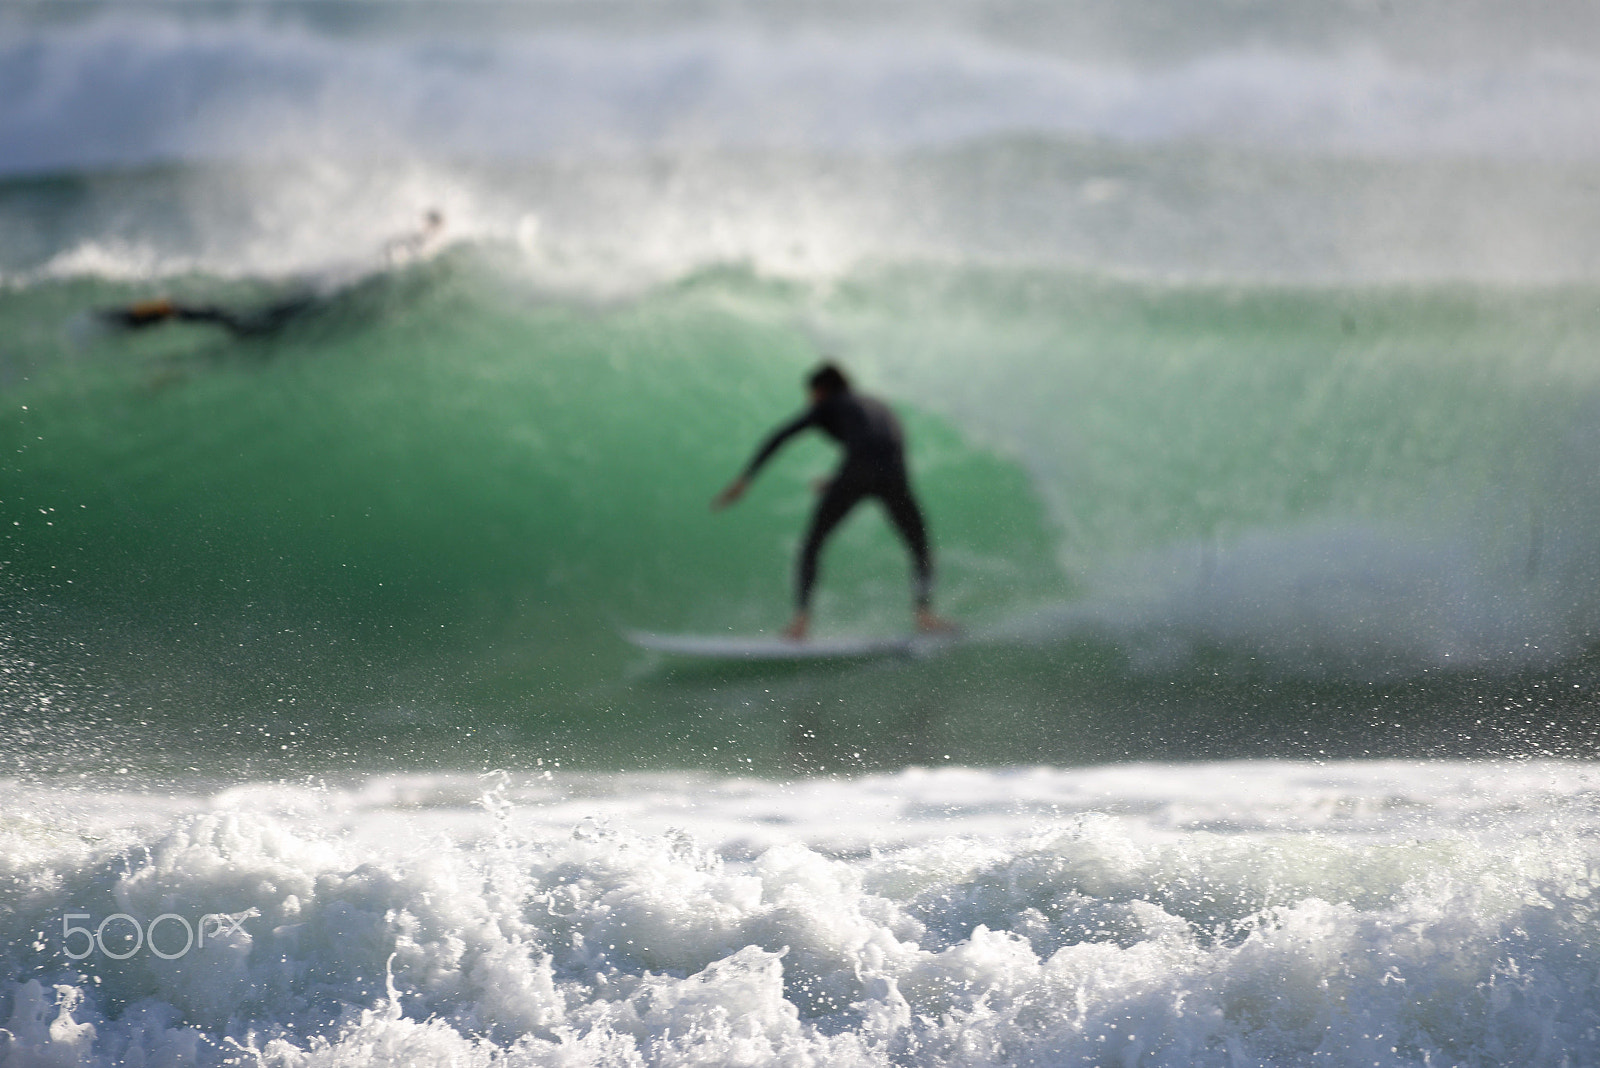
414, 522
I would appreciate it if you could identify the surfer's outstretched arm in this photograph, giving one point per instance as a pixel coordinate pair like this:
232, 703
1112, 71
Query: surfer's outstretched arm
774, 442
144, 313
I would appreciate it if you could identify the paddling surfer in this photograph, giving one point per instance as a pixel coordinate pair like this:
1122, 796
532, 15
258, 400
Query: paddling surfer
874, 465
242, 323
267, 319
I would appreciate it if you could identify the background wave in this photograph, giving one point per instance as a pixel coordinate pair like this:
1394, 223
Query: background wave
431, 502
93, 85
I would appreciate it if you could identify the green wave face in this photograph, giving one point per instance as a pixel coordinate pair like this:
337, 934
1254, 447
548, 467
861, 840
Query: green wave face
442, 493
410, 525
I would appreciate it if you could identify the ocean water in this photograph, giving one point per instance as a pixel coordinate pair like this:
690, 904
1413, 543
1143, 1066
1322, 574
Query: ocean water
1248, 358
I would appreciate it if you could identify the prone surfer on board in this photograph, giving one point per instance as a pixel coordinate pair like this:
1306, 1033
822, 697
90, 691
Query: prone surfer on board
252, 322
272, 317
874, 465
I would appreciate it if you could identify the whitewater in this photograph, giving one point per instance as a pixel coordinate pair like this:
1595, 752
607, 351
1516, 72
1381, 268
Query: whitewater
1246, 356
1224, 914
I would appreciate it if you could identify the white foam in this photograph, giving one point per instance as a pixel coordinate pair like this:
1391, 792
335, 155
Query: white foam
347, 129
1264, 913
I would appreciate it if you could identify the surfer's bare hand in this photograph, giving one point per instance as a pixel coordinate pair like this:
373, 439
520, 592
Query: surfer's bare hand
728, 496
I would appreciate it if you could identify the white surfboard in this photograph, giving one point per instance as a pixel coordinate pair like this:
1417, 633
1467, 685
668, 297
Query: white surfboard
767, 647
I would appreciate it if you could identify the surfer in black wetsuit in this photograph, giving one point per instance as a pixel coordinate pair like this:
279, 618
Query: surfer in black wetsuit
253, 322
874, 465
264, 320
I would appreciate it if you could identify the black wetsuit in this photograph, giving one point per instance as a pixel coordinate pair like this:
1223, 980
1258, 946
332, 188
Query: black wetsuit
253, 322
874, 465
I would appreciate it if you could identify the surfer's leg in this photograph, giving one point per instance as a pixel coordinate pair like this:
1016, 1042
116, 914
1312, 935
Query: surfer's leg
279, 314
842, 494
906, 516
904, 513
210, 313
257, 322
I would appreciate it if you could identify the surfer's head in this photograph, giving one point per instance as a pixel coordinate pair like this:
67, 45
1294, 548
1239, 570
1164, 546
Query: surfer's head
826, 381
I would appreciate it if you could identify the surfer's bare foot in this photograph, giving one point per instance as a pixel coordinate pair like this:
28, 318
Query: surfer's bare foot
797, 628
929, 623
